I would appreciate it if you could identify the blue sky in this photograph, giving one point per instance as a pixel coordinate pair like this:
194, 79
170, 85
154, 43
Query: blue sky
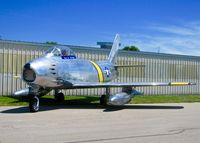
168, 26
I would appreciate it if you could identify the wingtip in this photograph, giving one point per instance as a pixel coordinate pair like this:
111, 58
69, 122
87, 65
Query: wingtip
16, 76
192, 83
181, 83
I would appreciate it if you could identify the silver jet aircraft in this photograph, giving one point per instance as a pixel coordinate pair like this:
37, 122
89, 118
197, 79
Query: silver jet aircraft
59, 69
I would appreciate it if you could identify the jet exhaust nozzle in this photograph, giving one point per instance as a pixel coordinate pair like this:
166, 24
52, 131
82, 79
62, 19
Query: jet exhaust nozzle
22, 92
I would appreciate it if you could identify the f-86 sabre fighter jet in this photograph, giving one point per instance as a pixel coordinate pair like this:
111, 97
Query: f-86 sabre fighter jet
60, 69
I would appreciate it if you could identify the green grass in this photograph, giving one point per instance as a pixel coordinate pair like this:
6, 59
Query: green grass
49, 101
88, 100
166, 99
10, 101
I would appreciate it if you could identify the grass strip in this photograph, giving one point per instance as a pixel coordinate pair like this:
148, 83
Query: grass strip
85, 100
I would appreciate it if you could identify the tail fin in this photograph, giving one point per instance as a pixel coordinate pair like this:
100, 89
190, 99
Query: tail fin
114, 50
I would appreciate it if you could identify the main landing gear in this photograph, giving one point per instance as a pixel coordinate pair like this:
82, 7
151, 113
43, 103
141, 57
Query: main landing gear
103, 100
104, 97
59, 96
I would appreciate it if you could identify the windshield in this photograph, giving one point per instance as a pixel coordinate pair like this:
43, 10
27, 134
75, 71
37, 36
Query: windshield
48, 51
54, 51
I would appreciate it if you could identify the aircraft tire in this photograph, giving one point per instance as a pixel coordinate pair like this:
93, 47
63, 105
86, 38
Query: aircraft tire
103, 100
34, 104
59, 97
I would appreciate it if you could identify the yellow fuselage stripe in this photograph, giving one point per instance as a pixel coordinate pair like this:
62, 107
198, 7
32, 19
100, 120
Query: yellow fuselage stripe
99, 71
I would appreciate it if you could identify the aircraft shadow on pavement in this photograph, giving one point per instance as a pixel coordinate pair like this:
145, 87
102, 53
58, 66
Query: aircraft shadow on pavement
86, 103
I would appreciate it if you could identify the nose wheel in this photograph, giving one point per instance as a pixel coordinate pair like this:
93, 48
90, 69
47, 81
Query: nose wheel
59, 97
34, 104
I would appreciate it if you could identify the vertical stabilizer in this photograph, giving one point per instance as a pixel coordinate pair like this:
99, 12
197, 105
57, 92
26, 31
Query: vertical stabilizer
114, 50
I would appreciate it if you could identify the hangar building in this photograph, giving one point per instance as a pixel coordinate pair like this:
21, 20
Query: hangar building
157, 68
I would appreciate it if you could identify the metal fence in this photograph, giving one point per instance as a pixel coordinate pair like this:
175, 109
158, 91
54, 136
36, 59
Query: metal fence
157, 68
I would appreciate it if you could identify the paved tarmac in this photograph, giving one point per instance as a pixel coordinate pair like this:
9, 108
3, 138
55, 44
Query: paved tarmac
155, 123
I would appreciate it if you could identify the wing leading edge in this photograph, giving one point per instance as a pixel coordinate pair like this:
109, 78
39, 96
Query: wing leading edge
119, 84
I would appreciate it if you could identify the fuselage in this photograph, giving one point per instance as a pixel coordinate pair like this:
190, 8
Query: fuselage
52, 71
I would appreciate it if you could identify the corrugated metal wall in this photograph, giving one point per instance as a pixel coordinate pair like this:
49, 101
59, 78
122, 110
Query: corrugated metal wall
157, 68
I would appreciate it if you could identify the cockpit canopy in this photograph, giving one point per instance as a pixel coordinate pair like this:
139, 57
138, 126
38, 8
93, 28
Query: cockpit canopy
61, 51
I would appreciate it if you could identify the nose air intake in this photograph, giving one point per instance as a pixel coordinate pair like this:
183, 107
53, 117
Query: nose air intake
28, 73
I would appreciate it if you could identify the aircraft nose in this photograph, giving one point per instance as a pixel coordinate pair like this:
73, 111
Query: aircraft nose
29, 74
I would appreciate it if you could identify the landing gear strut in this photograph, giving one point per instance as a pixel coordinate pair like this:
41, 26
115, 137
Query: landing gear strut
34, 104
59, 97
103, 100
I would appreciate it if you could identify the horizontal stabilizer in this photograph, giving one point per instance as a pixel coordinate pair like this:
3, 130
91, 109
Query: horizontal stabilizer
128, 66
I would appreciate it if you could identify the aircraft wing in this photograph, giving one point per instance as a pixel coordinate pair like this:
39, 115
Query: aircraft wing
122, 84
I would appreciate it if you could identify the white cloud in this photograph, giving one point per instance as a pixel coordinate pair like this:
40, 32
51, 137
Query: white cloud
175, 30
173, 39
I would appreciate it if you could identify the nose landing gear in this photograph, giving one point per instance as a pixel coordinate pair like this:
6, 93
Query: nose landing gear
34, 104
